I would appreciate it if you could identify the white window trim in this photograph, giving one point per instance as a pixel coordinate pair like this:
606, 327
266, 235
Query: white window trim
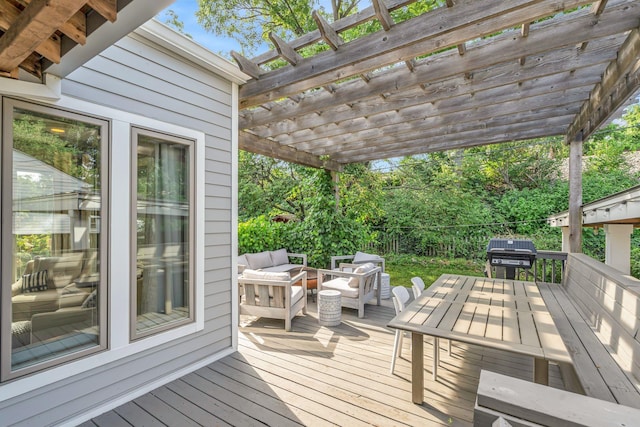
119, 346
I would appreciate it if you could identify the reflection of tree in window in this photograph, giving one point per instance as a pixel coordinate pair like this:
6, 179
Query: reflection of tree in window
68, 145
163, 282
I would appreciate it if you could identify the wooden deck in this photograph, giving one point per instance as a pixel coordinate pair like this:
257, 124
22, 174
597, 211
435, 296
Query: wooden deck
322, 376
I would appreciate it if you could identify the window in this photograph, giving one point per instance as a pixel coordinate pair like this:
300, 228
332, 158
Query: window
54, 198
162, 294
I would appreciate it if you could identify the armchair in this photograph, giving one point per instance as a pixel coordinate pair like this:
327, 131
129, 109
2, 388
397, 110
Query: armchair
273, 295
355, 282
358, 258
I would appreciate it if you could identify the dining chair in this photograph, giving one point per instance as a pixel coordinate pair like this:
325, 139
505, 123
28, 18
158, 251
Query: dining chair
400, 298
417, 285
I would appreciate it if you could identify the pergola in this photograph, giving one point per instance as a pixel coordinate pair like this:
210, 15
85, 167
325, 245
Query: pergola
468, 73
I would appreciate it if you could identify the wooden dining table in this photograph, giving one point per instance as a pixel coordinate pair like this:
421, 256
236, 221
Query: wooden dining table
503, 314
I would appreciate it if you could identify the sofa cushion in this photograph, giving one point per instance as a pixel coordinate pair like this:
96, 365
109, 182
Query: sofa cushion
259, 260
265, 275
363, 256
35, 282
24, 306
341, 284
354, 282
62, 270
279, 257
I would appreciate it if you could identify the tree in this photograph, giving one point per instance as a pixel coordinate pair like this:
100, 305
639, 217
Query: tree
172, 20
250, 21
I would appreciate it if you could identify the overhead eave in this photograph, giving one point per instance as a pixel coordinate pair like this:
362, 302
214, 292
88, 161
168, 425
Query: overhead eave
136, 13
619, 208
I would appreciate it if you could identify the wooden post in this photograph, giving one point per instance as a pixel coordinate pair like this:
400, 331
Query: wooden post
575, 194
336, 190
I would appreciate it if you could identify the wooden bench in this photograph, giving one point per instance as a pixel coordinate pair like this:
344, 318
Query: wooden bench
597, 313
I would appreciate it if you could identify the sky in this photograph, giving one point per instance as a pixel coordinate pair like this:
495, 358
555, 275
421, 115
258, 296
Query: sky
186, 9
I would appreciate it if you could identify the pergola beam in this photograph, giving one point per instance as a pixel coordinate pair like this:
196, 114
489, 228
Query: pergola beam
518, 73
620, 81
447, 143
409, 39
468, 128
415, 105
566, 33
254, 144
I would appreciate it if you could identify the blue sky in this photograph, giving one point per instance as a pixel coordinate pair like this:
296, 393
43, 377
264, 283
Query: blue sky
186, 9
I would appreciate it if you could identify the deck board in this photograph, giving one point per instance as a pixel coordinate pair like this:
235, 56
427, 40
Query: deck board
318, 376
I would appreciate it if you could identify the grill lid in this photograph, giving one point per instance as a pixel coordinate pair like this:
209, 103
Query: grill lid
515, 246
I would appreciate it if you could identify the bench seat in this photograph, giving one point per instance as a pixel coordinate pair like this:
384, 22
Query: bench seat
594, 372
597, 313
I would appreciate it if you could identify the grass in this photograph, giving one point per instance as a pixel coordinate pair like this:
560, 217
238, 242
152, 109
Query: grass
402, 268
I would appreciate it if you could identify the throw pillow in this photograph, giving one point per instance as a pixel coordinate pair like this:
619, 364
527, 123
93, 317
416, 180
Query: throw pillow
91, 301
279, 257
259, 260
35, 282
354, 282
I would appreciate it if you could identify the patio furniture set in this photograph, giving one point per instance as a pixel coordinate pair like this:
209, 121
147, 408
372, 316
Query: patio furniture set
273, 287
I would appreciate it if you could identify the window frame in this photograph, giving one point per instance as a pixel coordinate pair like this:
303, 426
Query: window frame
6, 243
137, 131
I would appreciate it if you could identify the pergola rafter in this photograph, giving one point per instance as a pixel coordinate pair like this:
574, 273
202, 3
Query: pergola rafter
495, 69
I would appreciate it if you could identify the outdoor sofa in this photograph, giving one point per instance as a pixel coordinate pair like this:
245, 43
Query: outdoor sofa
272, 261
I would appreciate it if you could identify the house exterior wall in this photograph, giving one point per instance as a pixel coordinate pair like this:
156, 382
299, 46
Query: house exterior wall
140, 82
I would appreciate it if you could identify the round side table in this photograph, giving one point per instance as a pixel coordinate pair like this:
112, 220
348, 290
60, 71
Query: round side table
329, 308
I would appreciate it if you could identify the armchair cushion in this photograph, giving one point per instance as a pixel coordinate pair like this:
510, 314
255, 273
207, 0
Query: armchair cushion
35, 282
342, 285
259, 260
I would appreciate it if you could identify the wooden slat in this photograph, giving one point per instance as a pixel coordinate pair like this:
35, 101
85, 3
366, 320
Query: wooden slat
137, 416
409, 39
338, 375
49, 48
444, 83
619, 82
37, 22
382, 14
106, 8
164, 412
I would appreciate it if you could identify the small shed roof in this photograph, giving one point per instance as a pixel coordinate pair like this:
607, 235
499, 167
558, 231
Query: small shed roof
619, 208
465, 74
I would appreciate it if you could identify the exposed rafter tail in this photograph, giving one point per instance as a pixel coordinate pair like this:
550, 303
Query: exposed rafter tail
246, 65
329, 35
106, 8
384, 17
285, 50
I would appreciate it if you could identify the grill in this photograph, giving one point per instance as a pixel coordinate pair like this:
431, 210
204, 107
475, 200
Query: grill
508, 254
